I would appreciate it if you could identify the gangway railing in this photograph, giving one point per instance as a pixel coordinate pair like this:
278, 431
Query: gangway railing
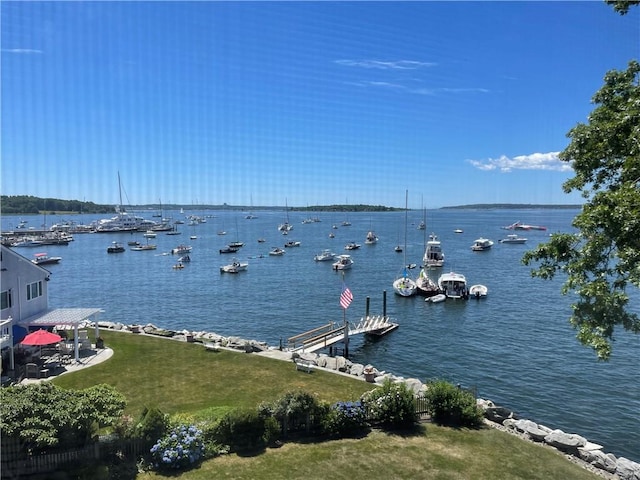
329, 334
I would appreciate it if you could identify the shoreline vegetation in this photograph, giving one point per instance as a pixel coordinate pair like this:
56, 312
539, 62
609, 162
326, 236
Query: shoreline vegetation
30, 205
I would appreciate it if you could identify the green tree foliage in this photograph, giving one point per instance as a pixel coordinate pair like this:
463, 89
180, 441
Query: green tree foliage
603, 258
27, 204
622, 6
451, 405
44, 415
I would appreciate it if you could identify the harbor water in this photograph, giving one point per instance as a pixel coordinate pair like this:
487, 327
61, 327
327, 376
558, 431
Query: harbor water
515, 347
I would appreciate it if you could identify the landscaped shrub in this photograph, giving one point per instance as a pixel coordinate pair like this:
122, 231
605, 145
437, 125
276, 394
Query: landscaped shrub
181, 448
152, 425
246, 430
451, 405
346, 419
296, 411
391, 404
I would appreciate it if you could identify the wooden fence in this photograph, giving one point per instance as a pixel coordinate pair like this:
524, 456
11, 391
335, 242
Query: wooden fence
16, 462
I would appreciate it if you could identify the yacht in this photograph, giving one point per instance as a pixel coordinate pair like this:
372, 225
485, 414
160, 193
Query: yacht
481, 244
433, 255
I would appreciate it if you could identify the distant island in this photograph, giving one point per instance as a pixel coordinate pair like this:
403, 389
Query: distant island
30, 205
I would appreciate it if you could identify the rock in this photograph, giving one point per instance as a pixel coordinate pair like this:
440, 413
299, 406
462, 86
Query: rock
357, 369
414, 384
498, 414
566, 442
535, 431
332, 363
341, 364
627, 470
599, 459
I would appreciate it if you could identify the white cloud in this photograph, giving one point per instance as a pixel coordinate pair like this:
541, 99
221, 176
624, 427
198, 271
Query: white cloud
382, 65
534, 161
21, 50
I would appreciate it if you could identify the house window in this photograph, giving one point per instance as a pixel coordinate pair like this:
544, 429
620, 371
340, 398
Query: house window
34, 290
5, 300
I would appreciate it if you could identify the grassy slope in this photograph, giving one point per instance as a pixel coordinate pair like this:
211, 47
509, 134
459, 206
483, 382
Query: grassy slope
185, 378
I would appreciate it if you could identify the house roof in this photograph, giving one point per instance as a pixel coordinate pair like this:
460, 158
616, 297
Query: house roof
62, 316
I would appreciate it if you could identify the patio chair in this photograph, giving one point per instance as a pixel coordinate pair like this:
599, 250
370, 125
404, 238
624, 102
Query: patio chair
32, 370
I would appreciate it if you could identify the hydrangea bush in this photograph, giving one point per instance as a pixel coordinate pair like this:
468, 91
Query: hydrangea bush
346, 418
181, 448
391, 404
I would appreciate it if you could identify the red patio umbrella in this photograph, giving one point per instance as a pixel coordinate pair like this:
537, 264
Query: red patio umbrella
41, 337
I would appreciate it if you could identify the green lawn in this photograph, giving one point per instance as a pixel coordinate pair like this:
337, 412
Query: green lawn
178, 377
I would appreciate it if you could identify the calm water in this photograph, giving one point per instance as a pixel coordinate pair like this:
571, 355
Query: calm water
515, 347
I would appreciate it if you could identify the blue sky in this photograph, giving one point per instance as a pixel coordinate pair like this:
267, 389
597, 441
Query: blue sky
304, 102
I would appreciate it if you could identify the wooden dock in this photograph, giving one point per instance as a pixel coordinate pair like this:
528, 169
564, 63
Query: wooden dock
327, 335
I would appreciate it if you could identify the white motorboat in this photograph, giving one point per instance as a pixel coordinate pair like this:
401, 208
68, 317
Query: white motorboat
352, 246
149, 234
481, 244
44, 259
181, 249
478, 291
343, 262
433, 255
277, 252
523, 226
292, 243
453, 285
234, 267
324, 256
513, 238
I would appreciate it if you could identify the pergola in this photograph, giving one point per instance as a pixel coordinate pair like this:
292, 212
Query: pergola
69, 317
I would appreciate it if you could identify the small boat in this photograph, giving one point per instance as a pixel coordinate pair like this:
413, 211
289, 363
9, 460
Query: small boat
324, 255
292, 243
229, 249
457, 230
140, 248
453, 285
193, 237
344, 262
178, 266
398, 248
276, 252
236, 244
150, 234
371, 238
261, 240
332, 235
513, 238
115, 247
184, 259
352, 246
234, 267
478, 291
425, 286
133, 243
433, 255
44, 259
481, 244
422, 225
181, 249
523, 226
440, 297
404, 285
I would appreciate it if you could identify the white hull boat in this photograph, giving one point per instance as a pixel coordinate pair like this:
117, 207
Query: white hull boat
234, 267
453, 285
478, 291
440, 297
344, 262
481, 244
433, 255
324, 256
514, 238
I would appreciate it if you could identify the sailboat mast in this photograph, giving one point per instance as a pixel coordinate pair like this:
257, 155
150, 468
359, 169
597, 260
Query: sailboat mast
120, 193
406, 203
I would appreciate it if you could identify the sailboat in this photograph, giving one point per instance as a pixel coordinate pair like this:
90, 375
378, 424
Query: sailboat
404, 285
286, 226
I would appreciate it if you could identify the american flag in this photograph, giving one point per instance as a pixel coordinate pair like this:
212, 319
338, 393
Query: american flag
345, 297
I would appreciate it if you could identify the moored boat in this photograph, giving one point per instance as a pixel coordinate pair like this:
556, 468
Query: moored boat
44, 259
352, 246
343, 262
453, 285
276, 252
481, 244
478, 291
115, 247
513, 238
234, 267
433, 255
324, 255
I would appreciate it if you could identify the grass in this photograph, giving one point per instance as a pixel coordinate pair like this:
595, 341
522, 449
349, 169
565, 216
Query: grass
181, 378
